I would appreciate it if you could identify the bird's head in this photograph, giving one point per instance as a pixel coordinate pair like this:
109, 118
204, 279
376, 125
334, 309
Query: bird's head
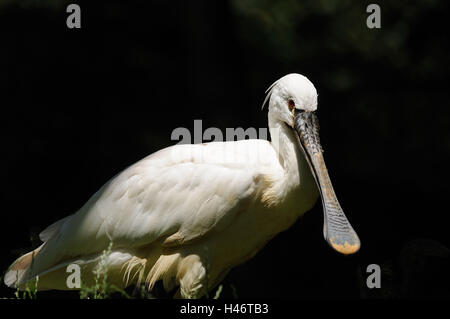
293, 101
293, 92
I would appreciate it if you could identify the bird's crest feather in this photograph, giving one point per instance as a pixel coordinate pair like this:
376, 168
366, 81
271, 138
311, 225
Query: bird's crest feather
268, 93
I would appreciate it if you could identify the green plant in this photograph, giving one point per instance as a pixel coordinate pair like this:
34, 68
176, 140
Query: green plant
101, 288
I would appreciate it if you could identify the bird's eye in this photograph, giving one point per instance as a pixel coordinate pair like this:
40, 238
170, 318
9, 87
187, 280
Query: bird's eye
291, 104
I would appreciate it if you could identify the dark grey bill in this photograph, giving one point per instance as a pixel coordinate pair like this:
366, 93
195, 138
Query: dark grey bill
336, 228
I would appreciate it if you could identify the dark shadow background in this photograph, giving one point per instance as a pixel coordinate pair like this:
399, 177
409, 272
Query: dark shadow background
78, 106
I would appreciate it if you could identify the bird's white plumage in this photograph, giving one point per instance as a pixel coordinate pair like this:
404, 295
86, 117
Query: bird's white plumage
187, 209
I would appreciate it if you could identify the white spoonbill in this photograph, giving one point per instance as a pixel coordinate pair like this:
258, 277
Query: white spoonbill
187, 214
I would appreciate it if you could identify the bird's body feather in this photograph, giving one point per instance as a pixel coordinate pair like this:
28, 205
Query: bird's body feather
159, 211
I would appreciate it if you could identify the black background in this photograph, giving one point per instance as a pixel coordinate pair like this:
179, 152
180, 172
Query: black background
80, 105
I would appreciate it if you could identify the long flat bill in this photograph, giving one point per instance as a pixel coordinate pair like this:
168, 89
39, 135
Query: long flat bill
336, 228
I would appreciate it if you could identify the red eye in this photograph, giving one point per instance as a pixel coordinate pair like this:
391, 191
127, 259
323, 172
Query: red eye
291, 104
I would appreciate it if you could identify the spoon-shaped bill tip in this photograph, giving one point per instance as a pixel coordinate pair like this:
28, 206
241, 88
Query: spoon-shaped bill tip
345, 248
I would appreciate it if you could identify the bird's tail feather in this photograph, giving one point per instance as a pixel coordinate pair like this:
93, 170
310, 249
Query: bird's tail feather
15, 276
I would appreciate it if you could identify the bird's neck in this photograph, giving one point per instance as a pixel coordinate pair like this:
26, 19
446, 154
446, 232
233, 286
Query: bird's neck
285, 144
296, 169
295, 189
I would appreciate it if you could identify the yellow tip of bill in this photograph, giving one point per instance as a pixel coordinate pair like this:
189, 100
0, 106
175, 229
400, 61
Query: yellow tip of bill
346, 248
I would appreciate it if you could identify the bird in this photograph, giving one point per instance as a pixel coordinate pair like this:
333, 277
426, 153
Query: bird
187, 214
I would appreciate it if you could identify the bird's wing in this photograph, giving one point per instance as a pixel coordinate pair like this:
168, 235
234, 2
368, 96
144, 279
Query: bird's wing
177, 194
